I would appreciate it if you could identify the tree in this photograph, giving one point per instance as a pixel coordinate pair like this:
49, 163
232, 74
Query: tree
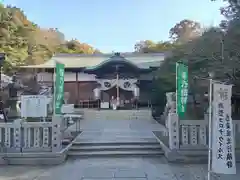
144, 46
24, 42
232, 10
185, 30
202, 55
148, 46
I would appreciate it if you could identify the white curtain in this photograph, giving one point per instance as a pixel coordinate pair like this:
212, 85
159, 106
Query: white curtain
106, 84
125, 84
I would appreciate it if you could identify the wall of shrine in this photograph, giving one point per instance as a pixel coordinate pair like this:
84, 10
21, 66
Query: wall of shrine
81, 86
69, 76
80, 91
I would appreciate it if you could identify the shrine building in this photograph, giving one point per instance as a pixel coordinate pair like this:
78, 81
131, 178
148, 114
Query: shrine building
94, 80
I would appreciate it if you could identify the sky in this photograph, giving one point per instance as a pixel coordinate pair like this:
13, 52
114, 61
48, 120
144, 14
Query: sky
116, 25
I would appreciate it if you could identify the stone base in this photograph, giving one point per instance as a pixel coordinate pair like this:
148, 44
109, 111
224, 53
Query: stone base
3, 161
47, 158
187, 156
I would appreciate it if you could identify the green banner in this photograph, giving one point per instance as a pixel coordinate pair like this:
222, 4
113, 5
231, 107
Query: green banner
59, 88
182, 88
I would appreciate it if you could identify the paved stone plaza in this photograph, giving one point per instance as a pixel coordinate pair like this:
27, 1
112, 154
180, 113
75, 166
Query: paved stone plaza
110, 169
120, 125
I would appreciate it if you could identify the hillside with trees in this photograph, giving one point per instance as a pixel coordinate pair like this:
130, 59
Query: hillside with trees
24, 42
213, 50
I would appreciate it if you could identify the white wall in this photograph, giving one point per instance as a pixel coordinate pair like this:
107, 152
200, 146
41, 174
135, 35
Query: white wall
69, 76
44, 77
86, 77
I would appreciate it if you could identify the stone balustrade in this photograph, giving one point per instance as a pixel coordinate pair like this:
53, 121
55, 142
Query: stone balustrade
193, 134
22, 136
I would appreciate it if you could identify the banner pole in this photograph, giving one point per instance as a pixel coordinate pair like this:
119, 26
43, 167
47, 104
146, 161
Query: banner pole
54, 88
210, 130
176, 99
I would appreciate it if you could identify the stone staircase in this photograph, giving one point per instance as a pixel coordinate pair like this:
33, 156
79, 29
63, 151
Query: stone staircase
114, 149
142, 114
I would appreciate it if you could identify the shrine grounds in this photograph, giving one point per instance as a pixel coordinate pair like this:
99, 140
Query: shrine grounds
112, 168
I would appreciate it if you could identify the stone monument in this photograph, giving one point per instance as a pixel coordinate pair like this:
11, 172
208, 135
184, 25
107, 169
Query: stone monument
13, 88
170, 106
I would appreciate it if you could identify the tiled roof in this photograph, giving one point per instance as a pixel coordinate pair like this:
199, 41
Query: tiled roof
80, 60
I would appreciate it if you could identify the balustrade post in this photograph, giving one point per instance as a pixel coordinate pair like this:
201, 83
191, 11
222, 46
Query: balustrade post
173, 129
56, 133
17, 143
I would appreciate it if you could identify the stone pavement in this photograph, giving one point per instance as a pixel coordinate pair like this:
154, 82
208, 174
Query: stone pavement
103, 136
111, 169
119, 125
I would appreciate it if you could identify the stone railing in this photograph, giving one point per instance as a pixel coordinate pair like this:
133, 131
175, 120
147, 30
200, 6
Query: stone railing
22, 136
193, 134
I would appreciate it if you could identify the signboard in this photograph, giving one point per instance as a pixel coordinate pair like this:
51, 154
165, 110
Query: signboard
67, 108
34, 106
223, 146
59, 88
182, 88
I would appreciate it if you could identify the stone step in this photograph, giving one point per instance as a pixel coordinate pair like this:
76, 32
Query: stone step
113, 148
116, 153
114, 143
116, 148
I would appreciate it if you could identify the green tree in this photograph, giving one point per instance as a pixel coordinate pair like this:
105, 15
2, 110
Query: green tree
24, 42
185, 30
148, 46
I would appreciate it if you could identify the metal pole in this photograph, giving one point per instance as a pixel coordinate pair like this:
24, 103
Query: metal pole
117, 87
210, 130
222, 49
176, 99
54, 88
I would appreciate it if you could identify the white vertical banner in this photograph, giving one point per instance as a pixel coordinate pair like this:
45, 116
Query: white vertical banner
223, 142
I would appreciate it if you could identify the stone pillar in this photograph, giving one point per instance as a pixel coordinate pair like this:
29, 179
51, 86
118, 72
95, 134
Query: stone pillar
170, 106
17, 135
66, 97
173, 130
56, 133
171, 101
136, 92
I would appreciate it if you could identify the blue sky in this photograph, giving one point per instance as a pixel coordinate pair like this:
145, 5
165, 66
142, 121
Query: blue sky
116, 25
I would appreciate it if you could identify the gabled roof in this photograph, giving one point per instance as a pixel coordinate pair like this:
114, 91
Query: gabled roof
143, 61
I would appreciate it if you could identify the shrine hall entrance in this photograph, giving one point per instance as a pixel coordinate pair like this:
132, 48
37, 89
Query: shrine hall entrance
126, 98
